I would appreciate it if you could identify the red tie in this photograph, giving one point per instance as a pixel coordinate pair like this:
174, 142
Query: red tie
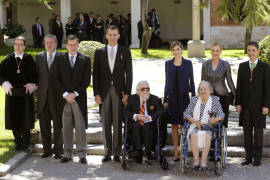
142, 111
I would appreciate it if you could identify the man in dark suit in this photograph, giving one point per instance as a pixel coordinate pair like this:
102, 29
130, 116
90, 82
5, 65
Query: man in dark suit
38, 33
112, 83
71, 77
92, 22
48, 99
143, 109
57, 30
82, 29
253, 102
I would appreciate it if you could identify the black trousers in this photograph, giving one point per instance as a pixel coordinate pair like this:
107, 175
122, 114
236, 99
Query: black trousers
22, 137
225, 109
45, 128
38, 42
143, 135
253, 136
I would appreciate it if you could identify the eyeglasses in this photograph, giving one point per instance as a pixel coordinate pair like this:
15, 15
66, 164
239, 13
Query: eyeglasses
145, 89
18, 44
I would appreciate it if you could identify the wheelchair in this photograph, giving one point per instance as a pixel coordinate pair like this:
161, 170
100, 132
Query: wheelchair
160, 157
219, 141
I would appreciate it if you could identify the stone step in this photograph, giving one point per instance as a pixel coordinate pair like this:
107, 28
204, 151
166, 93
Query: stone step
96, 149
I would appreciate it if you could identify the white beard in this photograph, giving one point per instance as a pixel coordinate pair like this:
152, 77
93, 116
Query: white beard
145, 97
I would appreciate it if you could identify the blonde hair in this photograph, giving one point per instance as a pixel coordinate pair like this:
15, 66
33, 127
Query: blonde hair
216, 44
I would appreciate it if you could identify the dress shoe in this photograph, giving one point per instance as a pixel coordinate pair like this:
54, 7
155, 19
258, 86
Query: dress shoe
257, 163
65, 159
57, 156
246, 162
27, 149
46, 154
83, 160
106, 158
116, 159
17, 147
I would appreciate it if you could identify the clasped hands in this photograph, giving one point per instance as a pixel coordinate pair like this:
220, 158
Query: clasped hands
70, 98
213, 120
29, 88
142, 118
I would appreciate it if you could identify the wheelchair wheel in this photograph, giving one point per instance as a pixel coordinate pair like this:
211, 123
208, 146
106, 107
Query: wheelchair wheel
164, 163
218, 168
224, 148
183, 165
124, 166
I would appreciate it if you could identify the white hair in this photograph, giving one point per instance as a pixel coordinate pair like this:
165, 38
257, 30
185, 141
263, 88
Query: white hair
140, 84
207, 84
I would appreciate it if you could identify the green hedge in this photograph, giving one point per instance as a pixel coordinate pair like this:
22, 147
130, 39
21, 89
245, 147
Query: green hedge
265, 49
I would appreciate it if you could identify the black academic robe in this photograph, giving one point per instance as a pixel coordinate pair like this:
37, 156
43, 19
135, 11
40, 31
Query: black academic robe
19, 110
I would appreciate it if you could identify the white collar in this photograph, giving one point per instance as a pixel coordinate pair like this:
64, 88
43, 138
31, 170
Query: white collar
253, 62
19, 55
115, 47
75, 55
53, 54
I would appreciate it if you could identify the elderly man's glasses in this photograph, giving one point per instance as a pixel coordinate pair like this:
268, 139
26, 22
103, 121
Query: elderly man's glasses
145, 89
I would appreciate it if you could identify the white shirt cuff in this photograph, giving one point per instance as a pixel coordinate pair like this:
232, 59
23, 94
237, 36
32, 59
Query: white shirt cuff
134, 117
65, 94
77, 94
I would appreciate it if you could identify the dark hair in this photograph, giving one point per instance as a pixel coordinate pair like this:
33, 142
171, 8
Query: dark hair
71, 37
112, 27
255, 44
51, 36
37, 18
176, 43
20, 38
91, 13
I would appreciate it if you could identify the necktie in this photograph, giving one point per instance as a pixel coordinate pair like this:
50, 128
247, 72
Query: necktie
71, 61
50, 61
142, 111
252, 66
112, 54
39, 30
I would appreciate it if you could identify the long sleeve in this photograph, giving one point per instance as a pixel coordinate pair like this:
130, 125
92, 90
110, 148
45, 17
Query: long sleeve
203, 73
189, 111
229, 79
129, 73
217, 108
238, 87
166, 94
96, 86
267, 86
191, 80
87, 77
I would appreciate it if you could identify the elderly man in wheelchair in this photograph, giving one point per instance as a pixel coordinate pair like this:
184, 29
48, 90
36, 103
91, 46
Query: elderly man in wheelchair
203, 112
142, 110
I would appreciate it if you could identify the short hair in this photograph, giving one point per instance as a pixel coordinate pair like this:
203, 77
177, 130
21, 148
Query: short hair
216, 44
51, 36
71, 37
91, 13
255, 44
206, 83
176, 43
140, 83
37, 18
112, 27
20, 38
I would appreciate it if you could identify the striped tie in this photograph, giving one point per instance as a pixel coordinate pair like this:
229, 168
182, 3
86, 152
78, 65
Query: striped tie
142, 111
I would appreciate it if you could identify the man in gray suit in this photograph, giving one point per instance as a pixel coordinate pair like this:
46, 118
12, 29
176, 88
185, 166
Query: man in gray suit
47, 99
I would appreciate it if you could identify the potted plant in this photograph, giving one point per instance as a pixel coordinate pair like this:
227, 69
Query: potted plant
12, 31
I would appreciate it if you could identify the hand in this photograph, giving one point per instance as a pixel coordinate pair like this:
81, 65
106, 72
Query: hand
70, 98
198, 124
239, 109
98, 99
146, 118
7, 87
124, 99
213, 120
30, 88
165, 105
139, 117
265, 110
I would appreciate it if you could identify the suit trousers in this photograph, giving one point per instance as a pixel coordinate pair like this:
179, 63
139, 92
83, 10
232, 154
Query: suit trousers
253, 142
47, 115
71, 117
111, 116
22, 137
143, 135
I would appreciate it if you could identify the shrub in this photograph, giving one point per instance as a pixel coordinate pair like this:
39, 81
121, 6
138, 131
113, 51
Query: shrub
13, 30
88, 48
265, 50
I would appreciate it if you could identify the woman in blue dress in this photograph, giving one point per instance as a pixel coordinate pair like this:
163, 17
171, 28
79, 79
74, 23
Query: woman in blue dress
179, 83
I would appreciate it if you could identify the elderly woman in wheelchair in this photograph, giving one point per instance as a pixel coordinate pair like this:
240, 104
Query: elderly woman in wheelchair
203, 111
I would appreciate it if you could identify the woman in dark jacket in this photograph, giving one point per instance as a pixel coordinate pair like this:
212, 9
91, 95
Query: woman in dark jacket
216, 71
179, 82
70, 28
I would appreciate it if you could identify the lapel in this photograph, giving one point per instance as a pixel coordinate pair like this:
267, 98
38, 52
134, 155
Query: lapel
117, 58
106, 59
44, 61
137, 104
67, 64
247, 69
148, 103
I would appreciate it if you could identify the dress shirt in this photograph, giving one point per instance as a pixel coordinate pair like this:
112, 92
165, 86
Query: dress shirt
48, 56
253, 62
145, 112
19, 55
112, 61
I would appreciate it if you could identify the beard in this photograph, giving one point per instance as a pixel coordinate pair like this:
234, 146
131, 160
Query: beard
145, 97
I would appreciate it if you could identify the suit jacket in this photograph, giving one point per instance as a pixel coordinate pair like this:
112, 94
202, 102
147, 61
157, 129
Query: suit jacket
121, 77
57, 30
35, 32
256, 92
45, 84
82, 31
67, 79
153, 105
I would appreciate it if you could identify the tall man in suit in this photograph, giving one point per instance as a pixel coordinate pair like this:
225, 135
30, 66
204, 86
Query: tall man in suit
92, 29
57, 30
38, 33
143, 109
112, 82
71, 77
253, 102
48, 99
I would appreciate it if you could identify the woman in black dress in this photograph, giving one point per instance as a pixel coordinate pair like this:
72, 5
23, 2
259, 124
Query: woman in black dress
70, 28
99, 32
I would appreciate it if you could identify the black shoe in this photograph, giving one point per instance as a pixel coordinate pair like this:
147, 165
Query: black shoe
149, 156
65, 159
57, 156
257, 163
246, 162
83, 160
106, 158
17, 147
27, 149
116, 159
176, 159
46, 154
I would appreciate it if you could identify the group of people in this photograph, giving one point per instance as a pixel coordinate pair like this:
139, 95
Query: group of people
62, 79
87, 27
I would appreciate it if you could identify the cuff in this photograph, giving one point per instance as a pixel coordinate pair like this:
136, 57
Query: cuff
65, 94
134, 117
77, 94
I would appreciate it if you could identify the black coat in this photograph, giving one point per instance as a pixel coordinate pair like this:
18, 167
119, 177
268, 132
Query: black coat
35, 33
82, 31
57, 30
256, 92
153, 105
121, 76
67, 79
19, 110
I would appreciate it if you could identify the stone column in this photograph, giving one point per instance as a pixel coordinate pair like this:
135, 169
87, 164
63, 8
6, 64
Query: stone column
207, 26
65, 11
135, 18
1, 14
196, 47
